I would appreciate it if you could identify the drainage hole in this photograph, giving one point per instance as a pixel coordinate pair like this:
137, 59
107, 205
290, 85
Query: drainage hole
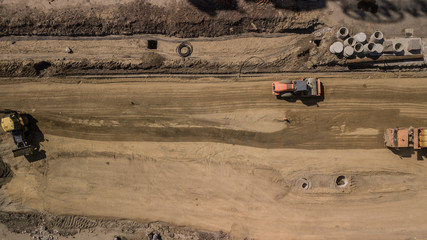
341, 181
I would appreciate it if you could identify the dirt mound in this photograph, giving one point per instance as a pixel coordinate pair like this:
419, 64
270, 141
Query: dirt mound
182, 20
46, 226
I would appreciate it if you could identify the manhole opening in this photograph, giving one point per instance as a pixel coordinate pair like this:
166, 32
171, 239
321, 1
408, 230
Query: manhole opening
152, 44
304, 185
317, 42
341, 181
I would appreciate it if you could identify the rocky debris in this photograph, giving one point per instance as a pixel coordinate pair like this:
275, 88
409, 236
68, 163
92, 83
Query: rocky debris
43, 226
68, 50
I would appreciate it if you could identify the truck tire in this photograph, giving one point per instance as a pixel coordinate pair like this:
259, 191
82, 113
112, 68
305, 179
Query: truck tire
187, 52
286, 95
285, 81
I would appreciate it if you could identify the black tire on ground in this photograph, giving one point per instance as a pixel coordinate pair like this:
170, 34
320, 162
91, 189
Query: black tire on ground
187, 52
286, 95
285, 81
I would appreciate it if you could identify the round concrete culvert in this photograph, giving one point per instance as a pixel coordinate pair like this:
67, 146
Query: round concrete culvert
360, 37
348, 52
350, 42
342, 33
398, 47
303, 184
341, 181
358, 48
377, 37
369, 48
336, 48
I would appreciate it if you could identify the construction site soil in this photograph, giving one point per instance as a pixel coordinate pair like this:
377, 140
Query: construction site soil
135, 140
178, 18
166, 150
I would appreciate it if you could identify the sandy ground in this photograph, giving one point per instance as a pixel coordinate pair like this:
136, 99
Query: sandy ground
224, 50
213, 154
249, 37
206, 157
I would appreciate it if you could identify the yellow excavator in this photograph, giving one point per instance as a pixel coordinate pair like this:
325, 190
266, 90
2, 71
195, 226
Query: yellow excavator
17, 124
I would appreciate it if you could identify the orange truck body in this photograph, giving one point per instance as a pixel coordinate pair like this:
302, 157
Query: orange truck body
406, 137
312, 90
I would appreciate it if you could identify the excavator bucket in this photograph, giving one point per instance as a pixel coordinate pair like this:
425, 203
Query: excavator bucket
28, 150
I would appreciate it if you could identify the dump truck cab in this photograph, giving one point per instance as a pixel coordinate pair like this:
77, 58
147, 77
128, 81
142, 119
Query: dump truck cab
308, 87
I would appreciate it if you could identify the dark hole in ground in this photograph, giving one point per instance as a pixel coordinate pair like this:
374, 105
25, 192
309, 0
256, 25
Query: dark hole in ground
341, 181
152, 44
301, 54
304, 185
41, 66
317, 42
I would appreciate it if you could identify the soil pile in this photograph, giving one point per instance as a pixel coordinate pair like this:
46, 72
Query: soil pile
183, 20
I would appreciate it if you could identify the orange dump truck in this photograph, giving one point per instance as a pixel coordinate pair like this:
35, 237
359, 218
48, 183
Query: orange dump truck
406, 137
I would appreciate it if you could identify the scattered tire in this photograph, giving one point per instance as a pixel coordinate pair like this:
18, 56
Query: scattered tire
286, 95
184, 49
285, 81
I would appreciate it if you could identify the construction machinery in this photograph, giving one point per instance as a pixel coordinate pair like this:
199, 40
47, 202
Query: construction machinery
307, 87
406, 137
17, 124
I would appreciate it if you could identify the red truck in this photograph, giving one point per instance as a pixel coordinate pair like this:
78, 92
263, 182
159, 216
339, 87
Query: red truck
307, 87
406, 137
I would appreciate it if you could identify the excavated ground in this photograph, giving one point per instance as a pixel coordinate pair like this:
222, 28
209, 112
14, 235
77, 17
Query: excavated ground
215, 154
177, 18
211, 154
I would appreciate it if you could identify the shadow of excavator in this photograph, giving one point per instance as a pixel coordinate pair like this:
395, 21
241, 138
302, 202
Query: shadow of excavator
383, 11
212, 6
34, 137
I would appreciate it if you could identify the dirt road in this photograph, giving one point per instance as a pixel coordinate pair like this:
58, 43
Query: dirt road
215, 154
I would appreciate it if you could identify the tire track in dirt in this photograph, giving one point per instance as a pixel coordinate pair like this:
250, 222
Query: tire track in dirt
353, 114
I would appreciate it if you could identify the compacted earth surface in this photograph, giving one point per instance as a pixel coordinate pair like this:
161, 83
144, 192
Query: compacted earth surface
137, 142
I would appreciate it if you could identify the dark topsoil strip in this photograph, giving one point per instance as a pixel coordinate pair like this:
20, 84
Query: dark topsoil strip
183, 20
34, 223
